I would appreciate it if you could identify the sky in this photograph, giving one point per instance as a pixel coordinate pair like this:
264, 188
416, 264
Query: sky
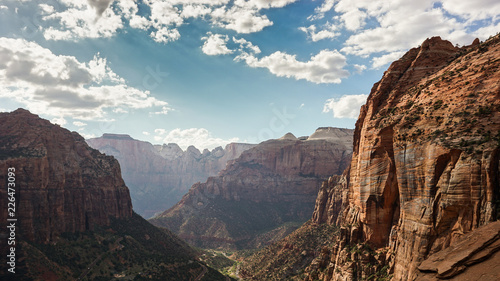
211, 72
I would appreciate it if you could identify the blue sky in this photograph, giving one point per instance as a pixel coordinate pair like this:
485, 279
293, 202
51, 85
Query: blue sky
209, 72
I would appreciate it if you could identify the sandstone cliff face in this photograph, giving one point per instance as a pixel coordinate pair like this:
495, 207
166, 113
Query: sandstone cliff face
267, 186
158, 176
61, 184
425, 166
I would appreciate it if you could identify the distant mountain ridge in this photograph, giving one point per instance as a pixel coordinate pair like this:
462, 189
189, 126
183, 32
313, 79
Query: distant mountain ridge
261, 196
159, 175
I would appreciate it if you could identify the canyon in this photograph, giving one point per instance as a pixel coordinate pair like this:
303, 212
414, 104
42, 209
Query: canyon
261, 196
423, 180
73, 213
159, 175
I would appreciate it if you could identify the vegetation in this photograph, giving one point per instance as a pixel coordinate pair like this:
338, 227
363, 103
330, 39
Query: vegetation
129, 249
288, 258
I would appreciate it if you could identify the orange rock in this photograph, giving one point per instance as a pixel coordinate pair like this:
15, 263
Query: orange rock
425, 166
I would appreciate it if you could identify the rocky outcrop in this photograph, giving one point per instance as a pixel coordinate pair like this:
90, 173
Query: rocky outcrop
472, 248
272, 184
61, 184
159, 175
425, 166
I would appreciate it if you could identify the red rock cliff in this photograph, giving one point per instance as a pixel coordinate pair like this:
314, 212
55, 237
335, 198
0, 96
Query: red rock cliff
62, 185
425, 165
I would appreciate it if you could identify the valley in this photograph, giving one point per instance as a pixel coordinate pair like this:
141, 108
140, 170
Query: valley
412, 193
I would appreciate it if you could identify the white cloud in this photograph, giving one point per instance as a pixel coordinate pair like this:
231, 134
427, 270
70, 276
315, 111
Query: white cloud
79, 124
87, 136
146, 133
80, 20
215, 44
263, 4
195, 11
164, 110
473, 10
402, 24
325, 67
378, 62
241, 20
327, 33
359, 68
199, 137
246, 46
130, 11
3, 7
59, 121
321, 10
99, 6
346, 106
62, 86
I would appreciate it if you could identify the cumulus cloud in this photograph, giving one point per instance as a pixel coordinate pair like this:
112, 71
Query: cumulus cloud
164, 110
246, 46
472, 10
76, 19
378, 62
240, 19
263, 4
346, 106
59, 121
401, 24
327, 33
80, 19
215, 44
359, 68
325, 67
199, 137
79, 124
321, 10
62, 86
99, 6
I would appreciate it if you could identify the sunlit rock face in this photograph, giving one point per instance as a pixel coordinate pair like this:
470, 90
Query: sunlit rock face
425, 165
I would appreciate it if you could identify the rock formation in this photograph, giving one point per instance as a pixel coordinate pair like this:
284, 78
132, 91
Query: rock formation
425, 165
74, 213
271, 185
159, 175
61, 184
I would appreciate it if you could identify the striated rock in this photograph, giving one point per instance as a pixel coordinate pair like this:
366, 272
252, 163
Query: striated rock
425, 165
159, 175
61, 184
274, 183
469, 249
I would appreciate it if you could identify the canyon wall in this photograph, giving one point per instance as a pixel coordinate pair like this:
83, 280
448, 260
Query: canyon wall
261, 196
61, 184
425, 165
159, 175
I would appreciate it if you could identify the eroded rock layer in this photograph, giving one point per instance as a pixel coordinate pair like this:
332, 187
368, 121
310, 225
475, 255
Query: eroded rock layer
270, 186
61, 184
425, 166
